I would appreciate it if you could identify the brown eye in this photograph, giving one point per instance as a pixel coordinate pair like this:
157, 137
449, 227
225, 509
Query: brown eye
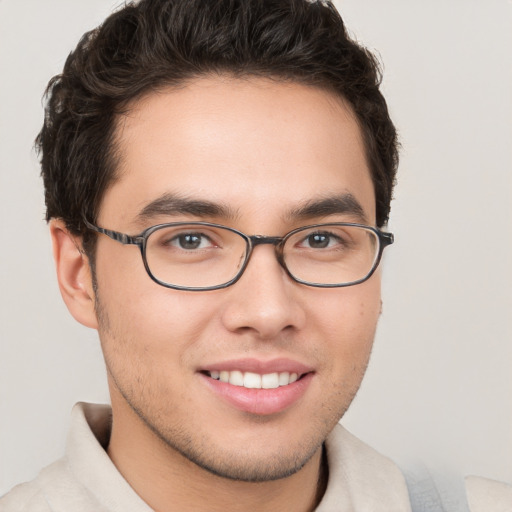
321, 240
190, 241
318, 240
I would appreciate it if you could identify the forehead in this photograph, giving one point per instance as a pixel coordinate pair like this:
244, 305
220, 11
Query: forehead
258, 146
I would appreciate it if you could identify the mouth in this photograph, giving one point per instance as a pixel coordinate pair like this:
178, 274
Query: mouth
251, 380
259, 387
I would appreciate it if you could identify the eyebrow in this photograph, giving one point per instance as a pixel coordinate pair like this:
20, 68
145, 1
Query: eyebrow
173, 204
345, 204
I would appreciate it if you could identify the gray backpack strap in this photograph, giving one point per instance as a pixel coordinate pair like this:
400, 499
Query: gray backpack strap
431, 493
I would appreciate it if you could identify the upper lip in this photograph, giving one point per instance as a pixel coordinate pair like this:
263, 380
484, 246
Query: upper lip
259, 366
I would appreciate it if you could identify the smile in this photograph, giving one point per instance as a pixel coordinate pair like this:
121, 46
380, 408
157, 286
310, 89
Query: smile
252, 380
258, 386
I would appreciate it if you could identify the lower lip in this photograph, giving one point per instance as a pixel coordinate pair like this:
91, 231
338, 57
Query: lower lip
260, 401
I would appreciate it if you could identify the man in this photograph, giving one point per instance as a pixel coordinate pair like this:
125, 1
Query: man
245, 148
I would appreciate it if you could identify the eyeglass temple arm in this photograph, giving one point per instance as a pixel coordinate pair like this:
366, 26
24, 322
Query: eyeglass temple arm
115, 235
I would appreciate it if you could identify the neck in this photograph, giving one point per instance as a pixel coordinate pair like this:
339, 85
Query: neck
166, 480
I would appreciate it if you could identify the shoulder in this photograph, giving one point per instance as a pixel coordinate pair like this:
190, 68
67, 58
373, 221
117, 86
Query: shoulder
356, 456
30, 496
54, 490
24, 497
360, 478
486, 495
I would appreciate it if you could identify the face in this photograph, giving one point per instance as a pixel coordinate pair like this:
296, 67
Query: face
258, 153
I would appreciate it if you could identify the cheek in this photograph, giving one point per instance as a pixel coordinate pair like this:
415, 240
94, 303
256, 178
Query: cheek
134, 302
351, 310
349, 320
143, 324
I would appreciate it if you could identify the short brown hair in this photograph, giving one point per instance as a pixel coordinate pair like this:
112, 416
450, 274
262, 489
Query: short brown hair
159, 43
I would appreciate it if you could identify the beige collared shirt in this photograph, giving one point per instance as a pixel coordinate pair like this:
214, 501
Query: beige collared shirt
85, 479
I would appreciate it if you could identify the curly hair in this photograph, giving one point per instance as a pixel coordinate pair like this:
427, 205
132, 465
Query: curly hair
152, 44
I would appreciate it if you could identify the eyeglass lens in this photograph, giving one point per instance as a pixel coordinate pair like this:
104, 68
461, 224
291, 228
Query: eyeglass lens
199, 256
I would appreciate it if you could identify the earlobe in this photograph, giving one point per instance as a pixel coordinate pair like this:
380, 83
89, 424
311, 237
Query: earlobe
73, 274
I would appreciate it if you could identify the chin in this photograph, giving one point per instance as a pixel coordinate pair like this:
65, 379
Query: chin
246, 467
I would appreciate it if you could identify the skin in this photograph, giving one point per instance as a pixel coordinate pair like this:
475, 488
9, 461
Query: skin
263, 148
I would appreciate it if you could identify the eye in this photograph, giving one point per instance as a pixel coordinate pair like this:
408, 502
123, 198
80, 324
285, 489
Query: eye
321, 240
190, 241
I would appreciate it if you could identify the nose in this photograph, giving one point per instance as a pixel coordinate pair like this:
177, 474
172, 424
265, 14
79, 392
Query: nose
265, 301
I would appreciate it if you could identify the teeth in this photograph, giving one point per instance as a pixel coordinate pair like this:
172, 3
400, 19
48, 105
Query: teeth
270, 381
284, 379
252, 380
236, 378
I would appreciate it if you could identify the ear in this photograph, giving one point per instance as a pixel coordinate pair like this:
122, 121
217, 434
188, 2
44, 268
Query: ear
73, 274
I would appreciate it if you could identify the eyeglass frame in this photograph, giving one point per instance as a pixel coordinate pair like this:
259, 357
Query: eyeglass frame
385, 238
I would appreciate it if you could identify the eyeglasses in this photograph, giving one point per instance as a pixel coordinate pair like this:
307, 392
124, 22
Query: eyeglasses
199, 256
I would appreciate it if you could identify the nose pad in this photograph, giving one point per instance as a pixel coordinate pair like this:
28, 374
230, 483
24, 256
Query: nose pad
264, 300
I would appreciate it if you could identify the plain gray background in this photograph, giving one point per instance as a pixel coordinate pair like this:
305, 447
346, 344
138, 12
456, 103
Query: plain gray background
439, 386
